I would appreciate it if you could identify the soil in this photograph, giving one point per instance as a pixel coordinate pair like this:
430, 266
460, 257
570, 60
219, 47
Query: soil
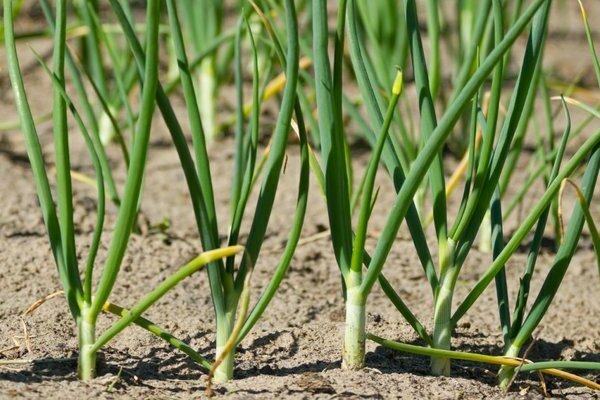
294, 351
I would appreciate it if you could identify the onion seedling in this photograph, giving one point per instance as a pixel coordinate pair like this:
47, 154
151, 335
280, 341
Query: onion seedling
336, 186
486, 163
554, 368
518, 331
84, 303
88, 111
202, 24
227, 281
521, 329
112, 93
589, 219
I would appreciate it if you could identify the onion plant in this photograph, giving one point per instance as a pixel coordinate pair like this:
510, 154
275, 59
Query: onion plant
486, 163
517, 333
481, 190
520, 329
460, 46
555, 368
226, 280
113, 93
90, 116
16, 9
86, 303
201, 26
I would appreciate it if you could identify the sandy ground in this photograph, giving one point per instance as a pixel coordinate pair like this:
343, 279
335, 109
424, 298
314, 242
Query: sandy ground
294, 351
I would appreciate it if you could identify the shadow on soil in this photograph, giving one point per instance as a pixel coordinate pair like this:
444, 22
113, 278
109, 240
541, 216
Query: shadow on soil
166, 364
390, 361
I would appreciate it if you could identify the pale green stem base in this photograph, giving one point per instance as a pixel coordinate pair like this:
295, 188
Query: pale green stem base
442, 331
86, 364
354, 335
507, 373
107, 131
485, 234
224, 372
420, 201
173, 70
207, 86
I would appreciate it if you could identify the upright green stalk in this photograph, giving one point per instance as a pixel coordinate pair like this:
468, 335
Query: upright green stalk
61, 228
203, 23
227, 283
84, 305
86, 324
392, 152
133, 185
557, 271
521, 331
353, 356
348, 252
334, 167
442, 326
428, 124
93, 63
86, 364
225, 323
449, 266
73, 291
61, 142
87, 109
433, 30
442, 313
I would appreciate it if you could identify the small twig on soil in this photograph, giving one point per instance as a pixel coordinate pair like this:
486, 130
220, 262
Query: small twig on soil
41, 301
301, 242
314, 238
116, 379
543, 384
36, 361
26, 336
525, 360
9, 368
7, 349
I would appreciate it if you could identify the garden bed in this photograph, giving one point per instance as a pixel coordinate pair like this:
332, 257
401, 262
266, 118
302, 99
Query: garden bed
295, 349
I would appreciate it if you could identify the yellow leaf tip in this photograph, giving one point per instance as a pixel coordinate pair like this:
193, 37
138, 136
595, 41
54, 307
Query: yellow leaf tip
397, 88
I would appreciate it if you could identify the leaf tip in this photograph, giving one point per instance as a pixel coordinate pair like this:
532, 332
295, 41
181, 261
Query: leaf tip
397, 88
